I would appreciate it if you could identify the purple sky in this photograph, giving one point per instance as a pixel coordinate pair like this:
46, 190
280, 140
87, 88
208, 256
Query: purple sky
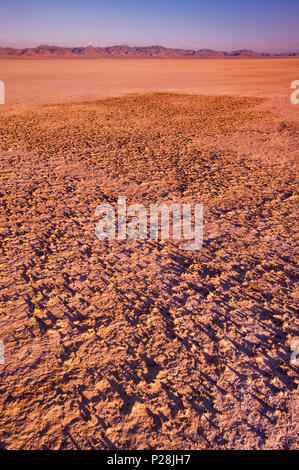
263, 25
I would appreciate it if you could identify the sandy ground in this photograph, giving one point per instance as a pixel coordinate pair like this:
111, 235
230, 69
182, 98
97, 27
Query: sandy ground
49, 81
141, 344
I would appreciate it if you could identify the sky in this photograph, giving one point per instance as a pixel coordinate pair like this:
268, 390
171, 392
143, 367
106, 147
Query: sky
262, 25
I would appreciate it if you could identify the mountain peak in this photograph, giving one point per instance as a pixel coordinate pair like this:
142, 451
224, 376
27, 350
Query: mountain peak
123, 50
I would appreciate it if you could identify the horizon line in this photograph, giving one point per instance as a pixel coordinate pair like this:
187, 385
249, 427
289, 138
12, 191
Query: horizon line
193, 49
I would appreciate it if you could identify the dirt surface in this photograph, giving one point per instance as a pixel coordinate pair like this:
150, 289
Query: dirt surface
142, 344
30, 82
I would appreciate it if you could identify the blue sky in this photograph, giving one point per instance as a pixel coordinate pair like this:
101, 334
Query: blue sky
264, 25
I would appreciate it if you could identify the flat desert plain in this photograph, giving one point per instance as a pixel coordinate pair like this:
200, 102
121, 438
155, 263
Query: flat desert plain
140, 344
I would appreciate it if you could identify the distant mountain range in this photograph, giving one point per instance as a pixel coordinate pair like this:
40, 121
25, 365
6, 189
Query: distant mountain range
46, 51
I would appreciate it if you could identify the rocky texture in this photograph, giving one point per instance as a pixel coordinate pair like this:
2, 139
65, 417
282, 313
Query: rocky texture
140, 344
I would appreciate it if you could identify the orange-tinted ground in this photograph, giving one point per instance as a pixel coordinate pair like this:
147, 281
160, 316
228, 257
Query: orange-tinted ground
29, 82
141, 344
